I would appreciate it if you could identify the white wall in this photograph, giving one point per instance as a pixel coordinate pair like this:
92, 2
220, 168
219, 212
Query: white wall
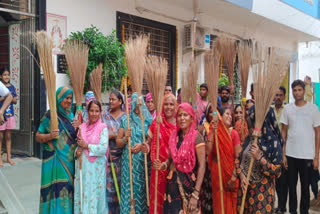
227, 18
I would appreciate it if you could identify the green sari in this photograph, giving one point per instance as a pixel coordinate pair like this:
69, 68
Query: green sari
58, 163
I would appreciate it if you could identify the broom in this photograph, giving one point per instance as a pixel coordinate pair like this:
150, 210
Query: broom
244, 55
228, 50
44, 46
156, 77
77, 59
132, 202
267, 79
212, 61
136, 50
96, 82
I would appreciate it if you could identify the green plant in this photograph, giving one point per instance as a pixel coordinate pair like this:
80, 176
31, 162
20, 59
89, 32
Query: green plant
106, 50
223, 80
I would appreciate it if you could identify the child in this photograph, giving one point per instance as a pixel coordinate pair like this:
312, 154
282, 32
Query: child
9, 115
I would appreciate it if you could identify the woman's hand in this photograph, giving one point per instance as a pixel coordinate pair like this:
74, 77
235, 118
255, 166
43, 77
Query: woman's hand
81, 142
145, 148
243, 180
214, 124
76, 124
127, 135
192, 204
136, 148
54, 134
158, 165
255, 151
231, 185
79, 152
112, 135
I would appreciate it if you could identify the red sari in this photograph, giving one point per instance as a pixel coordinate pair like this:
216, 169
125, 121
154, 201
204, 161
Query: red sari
166, 129
227, 141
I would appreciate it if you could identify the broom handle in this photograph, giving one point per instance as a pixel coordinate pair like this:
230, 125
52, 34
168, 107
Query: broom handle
156, 181
219, 170
129, 140
247, 179
114, 177
145, 158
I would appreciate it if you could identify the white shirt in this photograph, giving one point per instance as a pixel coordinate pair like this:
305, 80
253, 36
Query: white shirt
4, 91
301, 136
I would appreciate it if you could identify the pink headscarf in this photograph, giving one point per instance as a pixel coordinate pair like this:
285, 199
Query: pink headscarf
91, 133
185, 157
148, 97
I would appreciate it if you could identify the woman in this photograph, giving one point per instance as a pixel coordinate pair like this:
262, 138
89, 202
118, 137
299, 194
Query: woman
88, 98
138, 171
240, 125
266, 168
93, 145
150, 105
112, 117
58, 157
186, 163
167, 125
229, 149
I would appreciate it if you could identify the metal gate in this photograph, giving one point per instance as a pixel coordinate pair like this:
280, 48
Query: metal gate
22, 139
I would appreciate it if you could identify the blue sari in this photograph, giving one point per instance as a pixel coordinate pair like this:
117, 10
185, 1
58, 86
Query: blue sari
138, 171
56, 195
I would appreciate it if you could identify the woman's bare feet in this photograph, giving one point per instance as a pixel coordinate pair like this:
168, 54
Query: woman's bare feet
11, 162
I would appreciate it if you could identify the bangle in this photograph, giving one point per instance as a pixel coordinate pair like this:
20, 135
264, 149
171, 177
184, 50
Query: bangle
166, 165
196, 190
195, 196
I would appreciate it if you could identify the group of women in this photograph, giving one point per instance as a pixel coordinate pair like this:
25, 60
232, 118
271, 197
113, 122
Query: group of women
188, 178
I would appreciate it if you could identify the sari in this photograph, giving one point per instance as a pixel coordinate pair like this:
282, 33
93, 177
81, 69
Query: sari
243, 132
138, 170
201, 107
115, 155
226, 143
182, 177
166, 129
56, 195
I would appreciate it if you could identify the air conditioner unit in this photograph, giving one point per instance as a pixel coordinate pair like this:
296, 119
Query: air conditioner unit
202, 42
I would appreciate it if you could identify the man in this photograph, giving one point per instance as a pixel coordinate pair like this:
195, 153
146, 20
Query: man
225, 96
150, 105
301, 131
202, 102
167, 89
281, 183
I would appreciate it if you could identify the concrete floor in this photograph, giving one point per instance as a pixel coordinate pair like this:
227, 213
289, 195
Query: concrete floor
25, 176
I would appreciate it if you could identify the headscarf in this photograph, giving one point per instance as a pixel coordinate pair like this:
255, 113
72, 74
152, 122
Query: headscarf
91, 133
145, 112
61, 94
271, 140
184, 158
89, 97
148, 97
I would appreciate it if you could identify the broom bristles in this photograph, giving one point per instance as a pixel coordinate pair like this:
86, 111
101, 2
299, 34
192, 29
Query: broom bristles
244, 54
156, 77
96, 82
44, 46
227, 49
212, 70
136, 52
267, 78
189, 84
77, 59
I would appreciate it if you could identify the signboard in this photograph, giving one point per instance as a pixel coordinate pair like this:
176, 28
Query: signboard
310, 7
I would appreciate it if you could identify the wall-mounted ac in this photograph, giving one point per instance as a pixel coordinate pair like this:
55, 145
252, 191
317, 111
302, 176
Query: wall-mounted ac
202, 42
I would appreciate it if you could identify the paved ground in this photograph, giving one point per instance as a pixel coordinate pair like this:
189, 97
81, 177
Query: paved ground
24, 179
